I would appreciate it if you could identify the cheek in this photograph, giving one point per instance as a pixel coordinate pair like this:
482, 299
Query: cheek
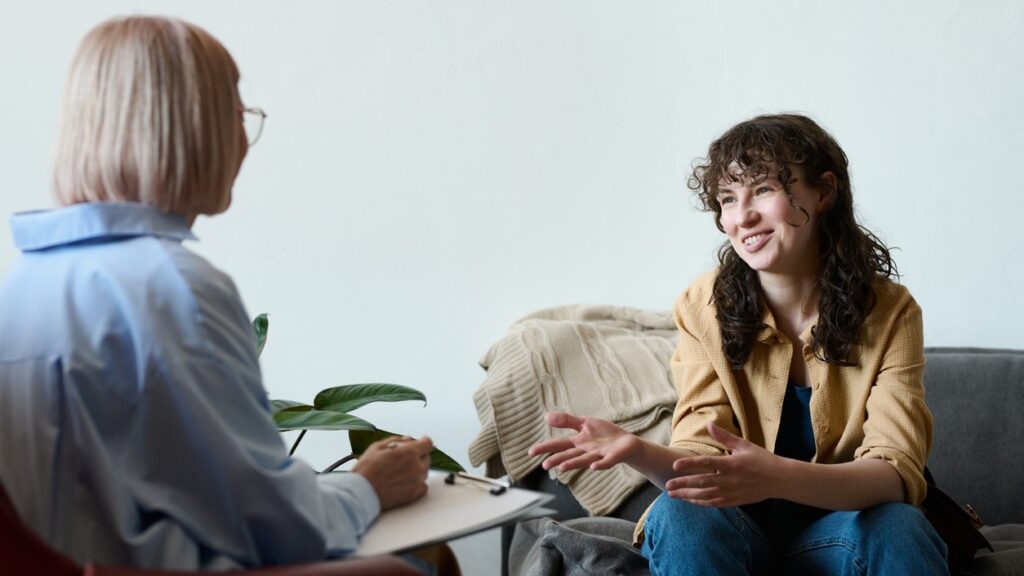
727, 223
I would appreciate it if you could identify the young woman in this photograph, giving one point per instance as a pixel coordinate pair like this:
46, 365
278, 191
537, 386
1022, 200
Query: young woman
134, 425
801, 432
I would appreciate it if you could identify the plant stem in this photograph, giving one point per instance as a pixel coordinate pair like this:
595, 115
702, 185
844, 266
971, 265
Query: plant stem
296, 445
332, 467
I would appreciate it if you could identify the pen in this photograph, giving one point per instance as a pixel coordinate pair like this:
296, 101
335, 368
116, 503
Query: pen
499, 486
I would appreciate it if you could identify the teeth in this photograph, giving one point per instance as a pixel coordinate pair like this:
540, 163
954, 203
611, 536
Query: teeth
753, 239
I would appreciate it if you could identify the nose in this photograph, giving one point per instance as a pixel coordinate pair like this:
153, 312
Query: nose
748, 216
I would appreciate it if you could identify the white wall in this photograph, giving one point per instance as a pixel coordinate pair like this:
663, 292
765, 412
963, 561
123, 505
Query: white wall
431, 170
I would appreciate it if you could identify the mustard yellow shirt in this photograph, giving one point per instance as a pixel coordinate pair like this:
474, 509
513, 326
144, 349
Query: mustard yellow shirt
873, 409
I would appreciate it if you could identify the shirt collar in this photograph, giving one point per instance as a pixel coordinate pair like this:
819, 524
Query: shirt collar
770, 333
42, 229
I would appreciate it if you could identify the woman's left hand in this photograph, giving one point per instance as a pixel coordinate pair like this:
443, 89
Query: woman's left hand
748, 474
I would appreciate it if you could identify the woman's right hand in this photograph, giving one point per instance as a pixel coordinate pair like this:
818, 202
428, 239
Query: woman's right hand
598, 444
397, 469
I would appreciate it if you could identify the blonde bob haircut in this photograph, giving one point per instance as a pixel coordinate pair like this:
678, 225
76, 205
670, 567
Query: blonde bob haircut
151, 114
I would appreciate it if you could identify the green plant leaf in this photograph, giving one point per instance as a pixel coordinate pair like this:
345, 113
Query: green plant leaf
260, 325
278, 405
441, 461
361, 440
351, 396
304, 417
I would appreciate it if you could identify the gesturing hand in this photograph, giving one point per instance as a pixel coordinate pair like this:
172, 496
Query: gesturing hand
397, 469
597, 444
748, 474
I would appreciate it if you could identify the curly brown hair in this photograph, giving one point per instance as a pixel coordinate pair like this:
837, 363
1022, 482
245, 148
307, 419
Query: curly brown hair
851, 258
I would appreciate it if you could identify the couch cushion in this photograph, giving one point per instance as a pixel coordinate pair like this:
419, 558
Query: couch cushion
977, 399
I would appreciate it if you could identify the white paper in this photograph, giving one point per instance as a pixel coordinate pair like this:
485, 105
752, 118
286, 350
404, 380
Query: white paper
447, 511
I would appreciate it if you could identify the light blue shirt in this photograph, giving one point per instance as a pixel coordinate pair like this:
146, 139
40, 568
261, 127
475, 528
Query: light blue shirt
134, 426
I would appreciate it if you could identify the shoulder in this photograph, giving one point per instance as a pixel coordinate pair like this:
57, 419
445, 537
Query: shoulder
698, 295
203, 280
892, 300
695, 306
896, 317
217, 311
180, 301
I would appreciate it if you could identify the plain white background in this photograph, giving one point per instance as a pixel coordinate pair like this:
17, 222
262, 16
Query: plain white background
432, 170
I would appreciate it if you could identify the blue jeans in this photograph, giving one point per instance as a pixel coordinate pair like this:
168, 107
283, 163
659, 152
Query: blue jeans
781, 537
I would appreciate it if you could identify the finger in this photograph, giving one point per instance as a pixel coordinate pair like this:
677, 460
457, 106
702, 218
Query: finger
419, 491
605, 463
383, 443
695, 495
695, 481
559, 457
563, 420
724, 437
551, 446
697, 464
710, 503
582, 461
424, 445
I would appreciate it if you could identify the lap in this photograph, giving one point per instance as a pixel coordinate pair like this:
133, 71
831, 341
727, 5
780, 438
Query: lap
776, 536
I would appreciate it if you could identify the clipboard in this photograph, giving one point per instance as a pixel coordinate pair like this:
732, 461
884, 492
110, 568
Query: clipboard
448, 511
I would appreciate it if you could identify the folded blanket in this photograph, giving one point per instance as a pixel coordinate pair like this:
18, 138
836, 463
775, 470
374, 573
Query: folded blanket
611, 362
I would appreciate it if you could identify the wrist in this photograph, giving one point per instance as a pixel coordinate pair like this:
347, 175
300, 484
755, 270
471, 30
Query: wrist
786, 473
635, 450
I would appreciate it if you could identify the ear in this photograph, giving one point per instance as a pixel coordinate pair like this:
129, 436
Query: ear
826, 192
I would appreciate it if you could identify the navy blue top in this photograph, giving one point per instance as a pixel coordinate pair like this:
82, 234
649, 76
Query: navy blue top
796, 435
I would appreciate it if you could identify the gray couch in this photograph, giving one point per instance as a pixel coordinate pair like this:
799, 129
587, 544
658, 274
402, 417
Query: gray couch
977, 399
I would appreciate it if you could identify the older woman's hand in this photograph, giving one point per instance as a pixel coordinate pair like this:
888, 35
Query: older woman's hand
397, 469
598, 444
748, 474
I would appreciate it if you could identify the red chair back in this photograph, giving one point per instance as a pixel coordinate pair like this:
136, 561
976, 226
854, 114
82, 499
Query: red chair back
22, 552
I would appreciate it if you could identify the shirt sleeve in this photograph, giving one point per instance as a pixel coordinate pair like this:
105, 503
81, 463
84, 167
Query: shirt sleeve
702, 397
221, 468
353, 495
898, 427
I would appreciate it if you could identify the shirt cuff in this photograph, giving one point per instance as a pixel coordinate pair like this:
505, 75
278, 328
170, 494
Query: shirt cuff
359, 507
912, 476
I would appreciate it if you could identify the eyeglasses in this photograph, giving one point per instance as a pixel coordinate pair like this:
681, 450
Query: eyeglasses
252, 121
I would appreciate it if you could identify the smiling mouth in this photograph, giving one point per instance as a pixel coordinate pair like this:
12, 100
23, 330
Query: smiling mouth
750, 241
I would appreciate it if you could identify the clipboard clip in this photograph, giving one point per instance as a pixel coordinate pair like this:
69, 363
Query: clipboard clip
497, 486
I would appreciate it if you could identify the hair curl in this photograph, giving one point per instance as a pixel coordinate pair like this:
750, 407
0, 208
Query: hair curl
851, 258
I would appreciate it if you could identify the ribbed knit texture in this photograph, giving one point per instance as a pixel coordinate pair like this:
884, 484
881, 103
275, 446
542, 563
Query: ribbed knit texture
610, 362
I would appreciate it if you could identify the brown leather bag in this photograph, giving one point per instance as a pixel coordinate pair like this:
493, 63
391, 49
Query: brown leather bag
959, 526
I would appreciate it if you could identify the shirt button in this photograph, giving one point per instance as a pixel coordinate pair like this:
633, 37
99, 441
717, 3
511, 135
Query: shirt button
817, 385
823, 428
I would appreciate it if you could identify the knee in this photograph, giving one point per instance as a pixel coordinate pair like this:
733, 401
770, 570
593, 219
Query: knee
684, 538
680, 521
896, 524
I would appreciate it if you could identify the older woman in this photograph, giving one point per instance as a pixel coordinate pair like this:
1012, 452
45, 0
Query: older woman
134, 425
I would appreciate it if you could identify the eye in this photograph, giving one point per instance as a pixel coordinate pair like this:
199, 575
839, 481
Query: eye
765, 189
724, 200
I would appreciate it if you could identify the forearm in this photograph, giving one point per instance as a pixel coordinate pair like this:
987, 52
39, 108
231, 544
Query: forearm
655, 461
853, 485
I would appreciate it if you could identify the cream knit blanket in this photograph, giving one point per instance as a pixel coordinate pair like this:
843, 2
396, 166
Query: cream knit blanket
606, 361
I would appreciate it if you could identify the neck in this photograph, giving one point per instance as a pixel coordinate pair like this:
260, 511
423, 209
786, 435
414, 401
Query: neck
793, 301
